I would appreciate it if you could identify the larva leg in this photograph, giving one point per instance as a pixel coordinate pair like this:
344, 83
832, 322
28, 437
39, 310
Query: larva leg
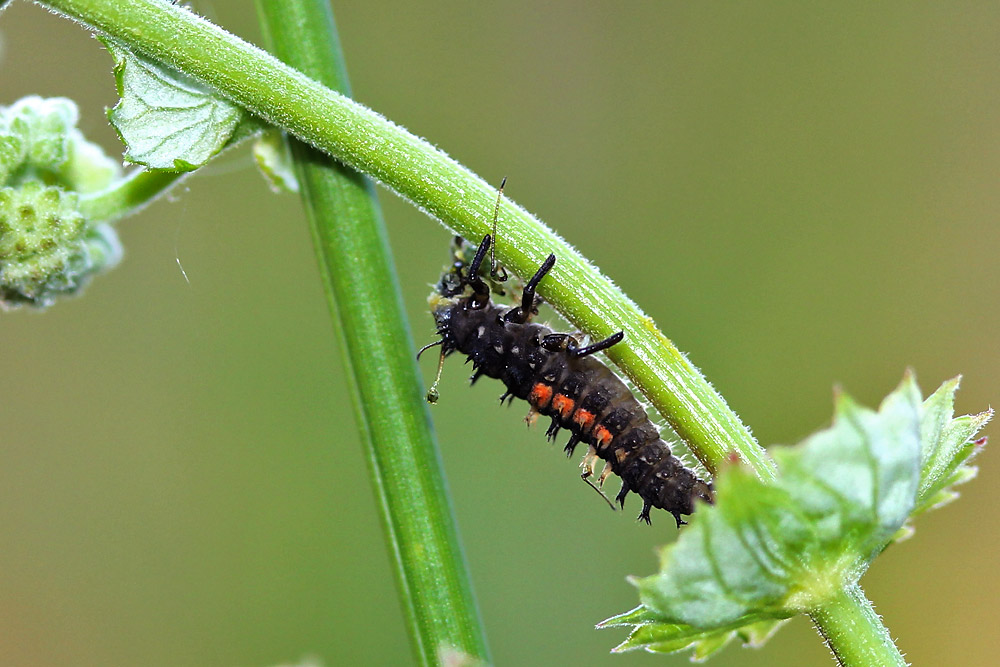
558, 342
620, 498
522, 313
571, 445
644, 514
599, 346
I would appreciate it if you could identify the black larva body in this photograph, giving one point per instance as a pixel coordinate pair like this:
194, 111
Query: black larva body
565, 382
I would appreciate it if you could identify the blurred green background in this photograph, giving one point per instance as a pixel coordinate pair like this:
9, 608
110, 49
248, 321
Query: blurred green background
801, 194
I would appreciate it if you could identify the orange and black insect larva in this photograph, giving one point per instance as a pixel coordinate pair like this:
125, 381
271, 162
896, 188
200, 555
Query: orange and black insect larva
564, 381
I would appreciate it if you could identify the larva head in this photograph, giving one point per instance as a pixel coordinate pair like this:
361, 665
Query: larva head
455, 280
442, 308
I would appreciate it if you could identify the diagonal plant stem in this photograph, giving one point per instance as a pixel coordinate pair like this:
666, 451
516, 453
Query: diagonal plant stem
129, 195
364, 298
443, 188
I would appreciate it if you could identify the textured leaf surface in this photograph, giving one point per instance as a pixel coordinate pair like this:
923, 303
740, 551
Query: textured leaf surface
767, 551
654, 636
168, 120
947, 447
778, 548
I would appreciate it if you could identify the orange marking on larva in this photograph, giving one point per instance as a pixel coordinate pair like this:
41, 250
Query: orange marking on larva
540, 395
584, 419
564, 405
602, 436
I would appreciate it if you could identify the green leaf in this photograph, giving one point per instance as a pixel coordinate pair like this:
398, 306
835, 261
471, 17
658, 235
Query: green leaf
168, 120
783, 547
947, 446
641, 615
769, 550
657, 637
270, 151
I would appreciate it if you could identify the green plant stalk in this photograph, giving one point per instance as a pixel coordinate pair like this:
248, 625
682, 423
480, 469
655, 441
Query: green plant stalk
364, 298
854, 632
444, 189
129, 195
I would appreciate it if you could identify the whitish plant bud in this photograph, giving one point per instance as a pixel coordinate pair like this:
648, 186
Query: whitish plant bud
47, 247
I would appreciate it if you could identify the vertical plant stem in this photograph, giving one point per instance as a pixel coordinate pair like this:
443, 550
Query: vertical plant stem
364, 298
854, 632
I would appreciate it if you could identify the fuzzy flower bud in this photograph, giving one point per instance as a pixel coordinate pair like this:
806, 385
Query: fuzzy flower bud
47, 247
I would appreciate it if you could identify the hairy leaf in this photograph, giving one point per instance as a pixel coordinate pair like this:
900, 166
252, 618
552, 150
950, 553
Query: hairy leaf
769, 550
654, 636
947, 447
168, 120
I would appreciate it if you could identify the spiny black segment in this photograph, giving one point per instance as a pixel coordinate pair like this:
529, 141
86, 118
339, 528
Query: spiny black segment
564, 381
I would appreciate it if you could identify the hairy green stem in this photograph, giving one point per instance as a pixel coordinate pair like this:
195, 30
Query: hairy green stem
364, 297
129, 195
443, 188
854, 632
